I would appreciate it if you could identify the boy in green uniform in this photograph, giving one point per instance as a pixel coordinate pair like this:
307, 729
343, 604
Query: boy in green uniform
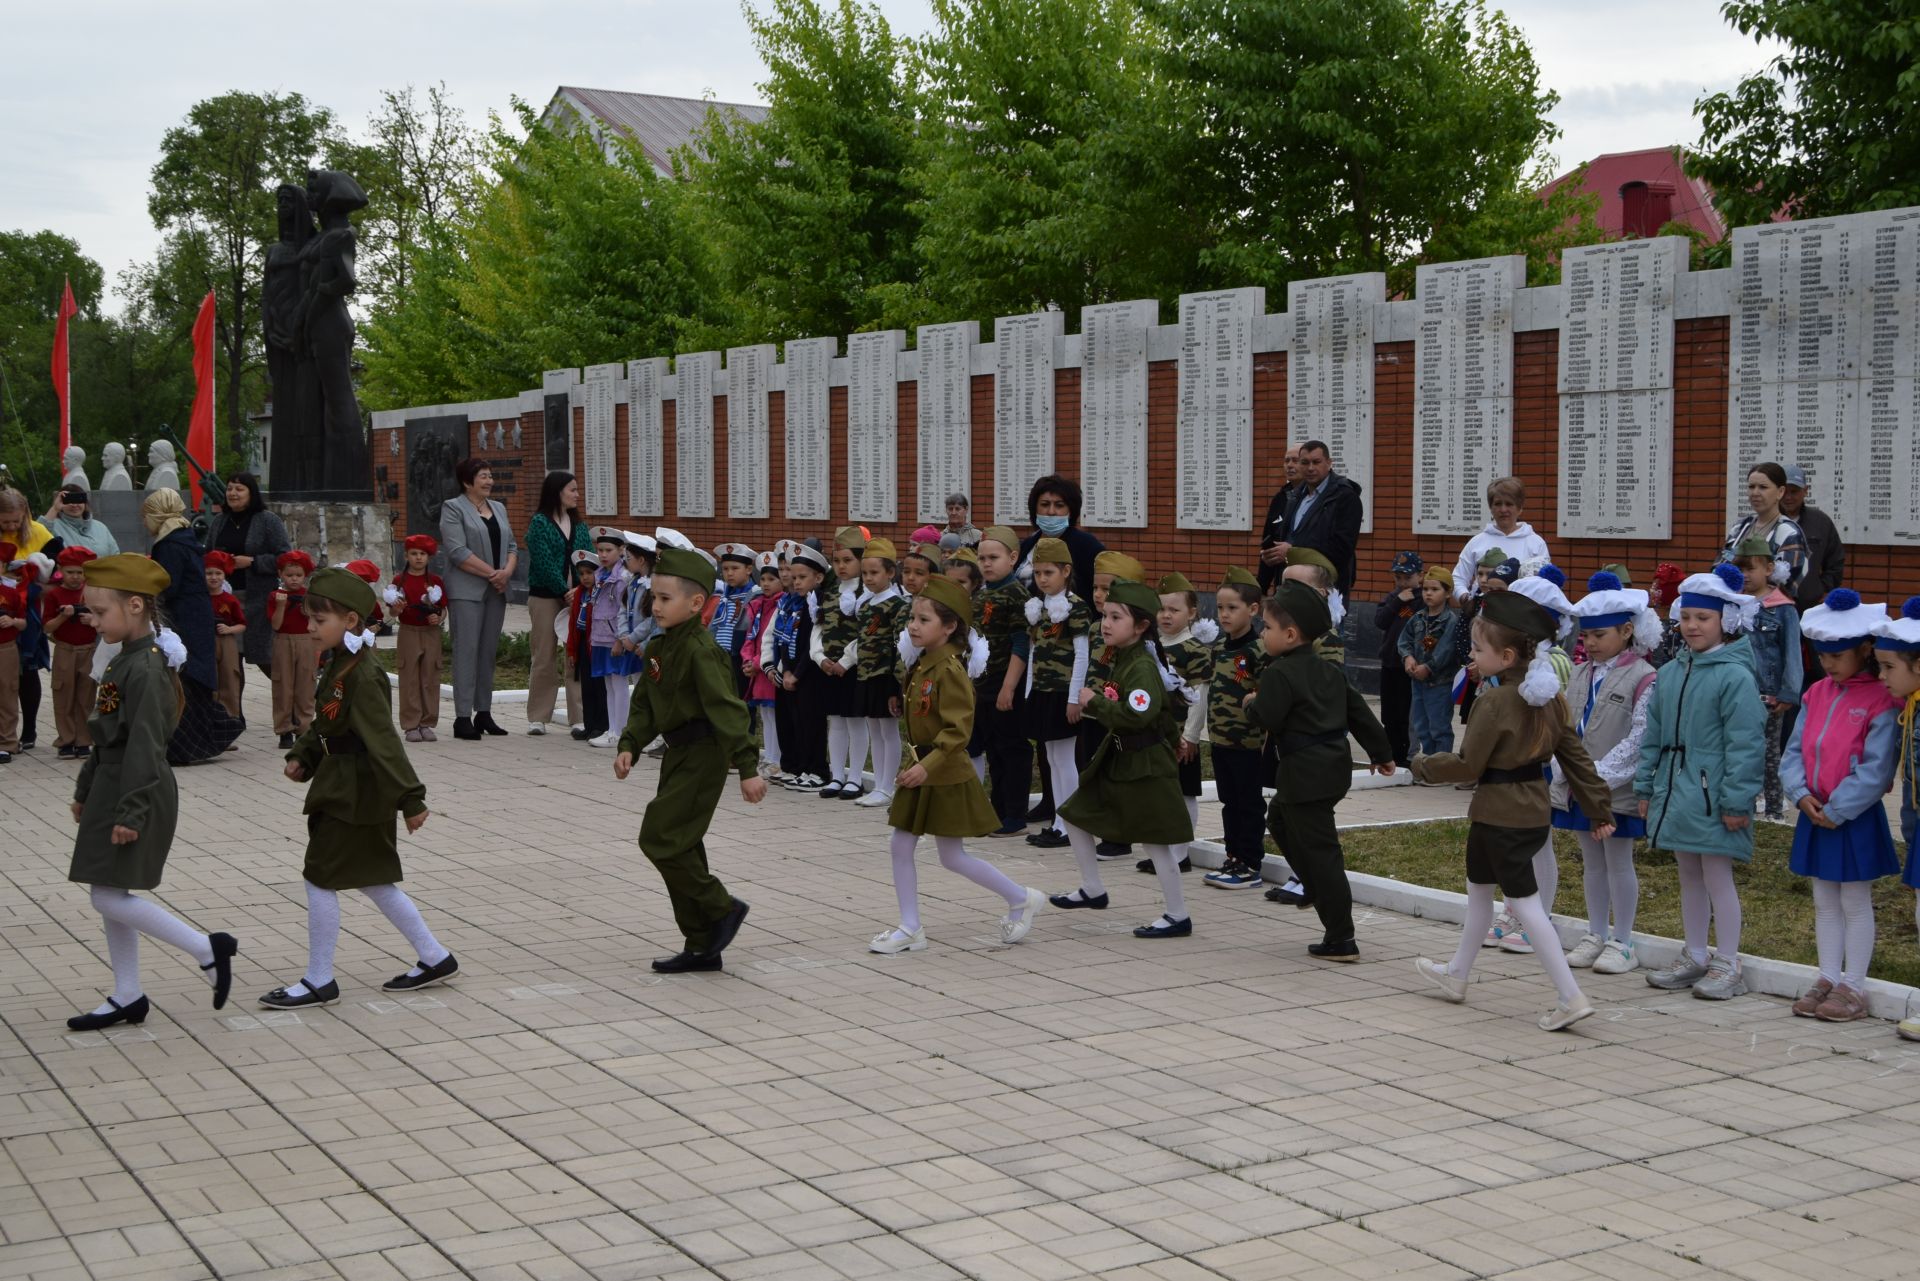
687, 694
1307, 707
360, 778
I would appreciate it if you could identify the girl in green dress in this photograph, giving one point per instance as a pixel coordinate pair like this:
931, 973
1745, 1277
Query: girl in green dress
125, 801
1130, 791
939, 795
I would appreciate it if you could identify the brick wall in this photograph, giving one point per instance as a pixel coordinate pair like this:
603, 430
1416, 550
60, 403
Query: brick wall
1700, 443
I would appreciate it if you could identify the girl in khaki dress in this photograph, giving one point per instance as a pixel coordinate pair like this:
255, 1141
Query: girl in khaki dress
939, 795
125, 800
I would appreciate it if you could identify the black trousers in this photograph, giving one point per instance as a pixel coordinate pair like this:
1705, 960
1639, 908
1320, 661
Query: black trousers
1002, 739
593, 692
1310, 843
29, 704
1237, 779
1046, 785
1396, 709
803, 736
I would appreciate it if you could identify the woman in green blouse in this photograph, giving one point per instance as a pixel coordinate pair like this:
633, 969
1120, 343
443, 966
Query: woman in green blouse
558, 530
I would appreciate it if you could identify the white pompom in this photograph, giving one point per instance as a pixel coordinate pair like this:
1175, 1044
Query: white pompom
977, 654
1782, 571
813, 604
1033, 611
434, 594
391, 595
42, 566
169, 644
1058, 607
1541, 684
909, 652
1738, 616
1648, 632
1336, 609
1206, 631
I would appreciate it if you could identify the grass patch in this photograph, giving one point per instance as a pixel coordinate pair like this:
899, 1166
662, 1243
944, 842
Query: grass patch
512, 662
1776, 906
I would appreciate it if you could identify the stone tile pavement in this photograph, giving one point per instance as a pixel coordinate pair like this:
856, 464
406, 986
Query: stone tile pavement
1084, 1104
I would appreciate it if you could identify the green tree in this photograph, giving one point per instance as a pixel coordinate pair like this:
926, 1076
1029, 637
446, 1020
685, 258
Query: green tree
1046, 181
1325, 136
420, 165
33, 266
1830, 126
213, 198
810, 210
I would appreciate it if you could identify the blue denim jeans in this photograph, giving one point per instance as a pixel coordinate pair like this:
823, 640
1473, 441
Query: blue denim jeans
1433, 716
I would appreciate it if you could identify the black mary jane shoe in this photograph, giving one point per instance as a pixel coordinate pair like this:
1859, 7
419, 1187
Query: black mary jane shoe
134, 1012
1067, 902
326, 994
1048, 838
225, 948
686, 963
1146, 865
485, 723
463, 728
1171, 930
725, 928
429, 975
1348, 950
1112, 849
831, 792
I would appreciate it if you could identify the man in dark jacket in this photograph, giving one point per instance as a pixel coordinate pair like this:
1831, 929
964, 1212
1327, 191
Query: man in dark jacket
1323, 513
1271, 561
1826, 557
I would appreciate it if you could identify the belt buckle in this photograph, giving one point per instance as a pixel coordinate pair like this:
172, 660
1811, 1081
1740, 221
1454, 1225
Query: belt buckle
326, 745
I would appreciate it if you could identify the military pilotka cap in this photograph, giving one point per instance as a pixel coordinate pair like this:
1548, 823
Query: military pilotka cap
1306, 607
1002, 535
1050, 551
851, 537
963, 556
1120, 565
1308, 556
1135, 595
128, 572
690, 564
1492, 558
1175, 582
1510, 609
951, 594
880, 549
1235, 574
344, 588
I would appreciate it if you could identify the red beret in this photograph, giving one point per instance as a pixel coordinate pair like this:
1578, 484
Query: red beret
76, 555
295, 559
422, 543
365, 570
222, 561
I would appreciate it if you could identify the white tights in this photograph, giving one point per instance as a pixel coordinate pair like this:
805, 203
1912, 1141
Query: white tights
1066, 777
1843, 930
884, 733
1193, 819
1612, 886
769, 738
1532, 915
1166, 869
323, 931
1708, 898
1546, 875
953, 857
127, 918
619, 702
847, 748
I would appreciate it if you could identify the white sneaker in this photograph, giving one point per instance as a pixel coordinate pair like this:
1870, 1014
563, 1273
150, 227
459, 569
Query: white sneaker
536, 729
1563, 1016
1586, 952
1016, 925
1618, 958
1503, 925
893, 942
1451, 988
1516, 940
875, 799
1722, 982
605, 740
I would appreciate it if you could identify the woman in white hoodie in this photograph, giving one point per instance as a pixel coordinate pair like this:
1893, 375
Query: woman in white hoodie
1506, 497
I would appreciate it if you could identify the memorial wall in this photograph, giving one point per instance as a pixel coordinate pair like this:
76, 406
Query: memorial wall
1631, 398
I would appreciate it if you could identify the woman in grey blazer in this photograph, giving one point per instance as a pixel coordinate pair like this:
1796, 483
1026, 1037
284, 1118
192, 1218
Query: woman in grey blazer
481, 555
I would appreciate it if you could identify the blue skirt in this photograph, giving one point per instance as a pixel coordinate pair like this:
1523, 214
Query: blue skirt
1860, 849
1908, 821
608, 663
1572, 820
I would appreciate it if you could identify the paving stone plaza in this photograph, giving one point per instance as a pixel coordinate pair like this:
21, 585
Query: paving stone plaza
1082, 1104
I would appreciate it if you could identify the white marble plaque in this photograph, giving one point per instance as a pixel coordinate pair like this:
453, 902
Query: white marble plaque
809, 428
1113, 413
1616, 381
1024, 349
1213, 451
693, 434
1330, 372
749, 371
598, 461
1463, 389
873, 425
945, 415
646, 493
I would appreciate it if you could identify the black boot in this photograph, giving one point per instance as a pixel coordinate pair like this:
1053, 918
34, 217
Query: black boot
463, 728
483, 721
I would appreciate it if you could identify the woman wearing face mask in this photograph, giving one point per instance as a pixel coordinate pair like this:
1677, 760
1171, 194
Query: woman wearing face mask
1053, 505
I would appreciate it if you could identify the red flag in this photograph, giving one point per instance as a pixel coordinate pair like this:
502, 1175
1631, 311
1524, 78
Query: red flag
62, 377
200, 426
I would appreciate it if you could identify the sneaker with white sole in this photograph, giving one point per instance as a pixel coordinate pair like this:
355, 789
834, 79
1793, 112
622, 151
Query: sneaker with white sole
1617, 958
1682, 972
894, 942
1563, 1016
875, 799
605, 740
1586, 952
536, 729
1722, 982
1503, 925
1451, 988
1234, 876
1909, 1029
1516, 941
1016, 925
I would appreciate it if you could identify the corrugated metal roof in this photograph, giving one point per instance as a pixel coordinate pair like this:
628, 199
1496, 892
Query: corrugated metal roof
1692, 198
658, 123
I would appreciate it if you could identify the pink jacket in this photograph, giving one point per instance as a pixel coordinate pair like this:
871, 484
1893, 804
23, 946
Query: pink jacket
759, 617
1836, 718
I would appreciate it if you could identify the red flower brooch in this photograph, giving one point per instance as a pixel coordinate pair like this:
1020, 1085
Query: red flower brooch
1112, 693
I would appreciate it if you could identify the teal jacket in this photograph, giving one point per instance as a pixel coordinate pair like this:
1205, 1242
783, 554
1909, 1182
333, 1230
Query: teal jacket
1704, 753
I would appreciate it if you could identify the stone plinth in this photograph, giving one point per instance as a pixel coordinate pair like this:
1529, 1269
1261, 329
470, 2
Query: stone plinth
334, 533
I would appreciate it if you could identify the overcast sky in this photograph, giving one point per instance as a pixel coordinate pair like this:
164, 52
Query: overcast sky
90, 88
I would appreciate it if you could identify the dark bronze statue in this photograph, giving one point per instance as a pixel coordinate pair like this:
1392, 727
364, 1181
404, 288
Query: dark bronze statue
296, 443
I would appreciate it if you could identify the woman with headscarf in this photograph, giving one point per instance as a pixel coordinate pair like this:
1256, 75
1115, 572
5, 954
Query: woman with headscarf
205, 729
254, 537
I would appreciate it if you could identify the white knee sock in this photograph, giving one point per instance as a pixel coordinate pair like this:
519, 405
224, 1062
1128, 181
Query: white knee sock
837, 749
1166, 869
954, 857
1066, 777
884, 733
769, 738
619, 702
1479, 921
405, 917
1533, 918
857, 753
906, 879
1082, 842
1856, 903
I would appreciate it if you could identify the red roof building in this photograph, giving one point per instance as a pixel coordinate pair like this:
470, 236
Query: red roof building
1642, 191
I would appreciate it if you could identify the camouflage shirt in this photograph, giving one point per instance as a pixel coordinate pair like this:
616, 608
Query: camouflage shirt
835, 628
1050, 665
1192, 661
880, 621
999, 614
1237, 664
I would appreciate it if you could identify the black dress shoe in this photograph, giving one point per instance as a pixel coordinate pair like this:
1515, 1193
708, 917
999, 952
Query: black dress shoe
225, 948
724, 929
1146, 865
1343, 951
134, 1012
579, 733
1015, 828
686, 963
1171, 930
439, 972
463, 728
1067, 902
326, 994
831, 792
286, 742
1113, 849
1281, 894
1040, 814
851, 791
1048, 839
484, 722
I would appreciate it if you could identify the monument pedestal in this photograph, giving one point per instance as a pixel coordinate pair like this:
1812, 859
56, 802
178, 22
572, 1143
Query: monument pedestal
336, 532
119, 511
